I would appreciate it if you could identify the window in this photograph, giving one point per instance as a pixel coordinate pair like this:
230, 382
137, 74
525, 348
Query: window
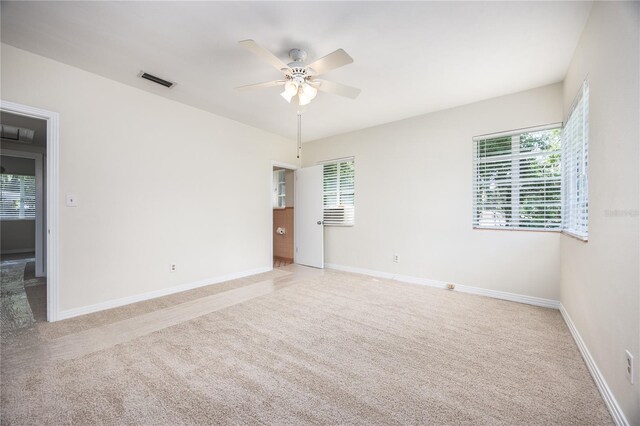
517, 180
279, 189
17, 197
339, 192
575, 156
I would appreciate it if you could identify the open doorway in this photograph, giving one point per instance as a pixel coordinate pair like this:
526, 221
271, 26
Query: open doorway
23, 219
283, 201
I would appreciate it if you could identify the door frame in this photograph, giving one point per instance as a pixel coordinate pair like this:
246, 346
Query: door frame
287, 166
39, 249
52, 205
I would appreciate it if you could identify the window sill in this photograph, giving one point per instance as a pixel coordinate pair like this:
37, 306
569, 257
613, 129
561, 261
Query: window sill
576, 237
17, 219
555, 231
568, 234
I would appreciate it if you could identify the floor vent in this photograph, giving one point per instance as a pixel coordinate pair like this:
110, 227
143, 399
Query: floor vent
158, 80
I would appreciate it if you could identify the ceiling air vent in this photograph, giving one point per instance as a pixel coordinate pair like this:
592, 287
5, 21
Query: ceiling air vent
16, 134
158, 80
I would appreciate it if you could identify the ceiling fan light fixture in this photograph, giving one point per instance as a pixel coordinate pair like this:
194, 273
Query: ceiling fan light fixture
287, 96
291, 87
303, 99
290, 90
309, 91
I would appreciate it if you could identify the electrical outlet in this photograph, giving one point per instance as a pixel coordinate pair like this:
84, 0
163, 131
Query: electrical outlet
396, 258
172, 268
629, 366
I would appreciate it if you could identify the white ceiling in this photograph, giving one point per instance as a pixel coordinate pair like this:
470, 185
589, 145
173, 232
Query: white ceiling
410, 58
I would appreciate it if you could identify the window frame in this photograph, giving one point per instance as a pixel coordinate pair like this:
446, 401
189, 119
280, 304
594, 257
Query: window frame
337, 162
515, 201
581, 100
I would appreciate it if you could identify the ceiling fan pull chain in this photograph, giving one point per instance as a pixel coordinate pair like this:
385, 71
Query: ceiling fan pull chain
299, 133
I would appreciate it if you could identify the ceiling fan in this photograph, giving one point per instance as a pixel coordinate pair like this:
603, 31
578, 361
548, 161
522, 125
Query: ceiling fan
299, 79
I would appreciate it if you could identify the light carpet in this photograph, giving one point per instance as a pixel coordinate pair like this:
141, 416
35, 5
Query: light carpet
320, 348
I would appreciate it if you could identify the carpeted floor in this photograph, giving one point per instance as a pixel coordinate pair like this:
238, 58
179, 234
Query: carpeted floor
301, 346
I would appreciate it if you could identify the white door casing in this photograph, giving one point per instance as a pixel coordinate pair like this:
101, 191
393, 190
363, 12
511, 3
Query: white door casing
52, 191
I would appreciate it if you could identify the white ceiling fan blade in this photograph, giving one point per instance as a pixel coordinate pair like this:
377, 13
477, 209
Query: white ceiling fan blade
260, 51
336, 88
330, 62
262, 85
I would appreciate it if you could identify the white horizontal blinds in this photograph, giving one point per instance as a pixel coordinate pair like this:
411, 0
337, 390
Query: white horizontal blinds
339, 193
17, 197
575, 153
517, 181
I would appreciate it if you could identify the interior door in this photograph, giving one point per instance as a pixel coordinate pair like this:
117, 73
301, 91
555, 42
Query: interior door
308, 212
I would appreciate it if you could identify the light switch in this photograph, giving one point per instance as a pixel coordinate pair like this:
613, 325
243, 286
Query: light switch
71, 200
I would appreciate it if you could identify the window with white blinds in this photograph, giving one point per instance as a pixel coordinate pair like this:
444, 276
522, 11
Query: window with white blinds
575, 156
17, 197
339, 192
517, 180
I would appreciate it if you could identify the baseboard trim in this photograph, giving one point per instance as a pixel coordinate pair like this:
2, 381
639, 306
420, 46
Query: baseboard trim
609, 400
503, 295
17, 251
110, 304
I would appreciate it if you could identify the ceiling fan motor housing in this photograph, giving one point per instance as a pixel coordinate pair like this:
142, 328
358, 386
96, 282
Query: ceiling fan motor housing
299, 71
298, 74
298, 55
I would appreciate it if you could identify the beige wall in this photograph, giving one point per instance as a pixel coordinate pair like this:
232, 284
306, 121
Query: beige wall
413, 198
600, 285
146, 201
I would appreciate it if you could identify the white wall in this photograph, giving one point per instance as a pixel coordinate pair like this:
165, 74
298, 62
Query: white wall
145, 200
413, 198
600, 285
